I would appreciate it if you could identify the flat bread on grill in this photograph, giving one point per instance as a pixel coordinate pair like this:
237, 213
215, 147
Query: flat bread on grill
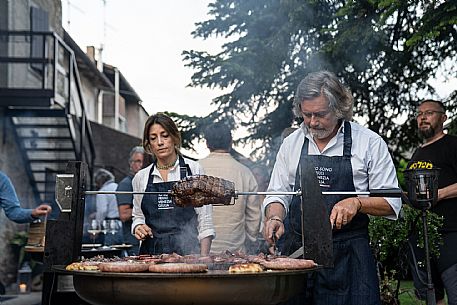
86, 266
178, 268
244, 268
200, 190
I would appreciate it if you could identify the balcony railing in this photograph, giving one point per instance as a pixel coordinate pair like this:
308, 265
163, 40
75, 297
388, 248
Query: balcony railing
38, 69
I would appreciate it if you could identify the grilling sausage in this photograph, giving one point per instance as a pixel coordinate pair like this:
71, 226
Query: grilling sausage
197, 191
178, 268
123, 267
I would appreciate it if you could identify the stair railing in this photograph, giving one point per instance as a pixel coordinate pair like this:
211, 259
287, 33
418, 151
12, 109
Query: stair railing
85, 149
82, 135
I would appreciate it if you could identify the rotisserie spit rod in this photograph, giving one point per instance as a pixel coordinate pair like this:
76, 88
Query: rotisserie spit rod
372, 193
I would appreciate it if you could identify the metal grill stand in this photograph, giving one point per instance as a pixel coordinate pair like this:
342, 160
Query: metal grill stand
422, 195
64, 235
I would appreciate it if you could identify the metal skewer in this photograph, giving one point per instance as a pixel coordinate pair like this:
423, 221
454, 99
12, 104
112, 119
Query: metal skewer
372, 193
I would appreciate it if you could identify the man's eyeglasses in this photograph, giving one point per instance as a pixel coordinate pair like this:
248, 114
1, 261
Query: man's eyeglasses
427, 113
317, 115
136, 161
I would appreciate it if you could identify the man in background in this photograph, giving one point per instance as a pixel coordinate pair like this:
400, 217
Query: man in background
10, 203
441, 150
107, 213
237, 226
125, 201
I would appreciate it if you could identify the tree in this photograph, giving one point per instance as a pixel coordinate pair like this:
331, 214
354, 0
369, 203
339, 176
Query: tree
385, 50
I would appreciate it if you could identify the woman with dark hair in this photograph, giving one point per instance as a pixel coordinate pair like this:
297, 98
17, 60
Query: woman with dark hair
157, 221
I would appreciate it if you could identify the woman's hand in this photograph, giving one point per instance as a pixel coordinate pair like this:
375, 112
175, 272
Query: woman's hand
142, 231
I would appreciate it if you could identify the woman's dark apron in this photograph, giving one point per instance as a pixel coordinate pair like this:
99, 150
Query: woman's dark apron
353, 280
174, 228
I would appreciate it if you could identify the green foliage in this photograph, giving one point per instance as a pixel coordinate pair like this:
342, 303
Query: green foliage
386, 51
389, 288
20, 241
388, 236
389, 241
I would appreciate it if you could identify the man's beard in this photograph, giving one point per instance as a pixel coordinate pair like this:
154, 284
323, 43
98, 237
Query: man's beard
320, 133
427, 133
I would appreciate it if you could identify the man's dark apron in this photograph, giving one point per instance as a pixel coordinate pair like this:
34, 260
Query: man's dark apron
353, 280
174, 228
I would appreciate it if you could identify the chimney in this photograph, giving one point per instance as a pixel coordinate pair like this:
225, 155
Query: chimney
90, 52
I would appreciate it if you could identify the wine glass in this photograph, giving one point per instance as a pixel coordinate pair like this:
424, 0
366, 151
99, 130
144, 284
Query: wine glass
94, 229
105, 227
113, 226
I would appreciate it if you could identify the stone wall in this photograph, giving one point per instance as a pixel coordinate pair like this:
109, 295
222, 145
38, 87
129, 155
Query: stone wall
112, 149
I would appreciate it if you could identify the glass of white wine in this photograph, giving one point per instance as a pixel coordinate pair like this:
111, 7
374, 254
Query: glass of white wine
105, 228
113, 226
94, 229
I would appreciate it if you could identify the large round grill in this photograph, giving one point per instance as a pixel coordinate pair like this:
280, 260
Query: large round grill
213, 287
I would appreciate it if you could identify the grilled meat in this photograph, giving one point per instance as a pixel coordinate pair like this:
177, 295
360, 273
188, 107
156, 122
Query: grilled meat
200, 190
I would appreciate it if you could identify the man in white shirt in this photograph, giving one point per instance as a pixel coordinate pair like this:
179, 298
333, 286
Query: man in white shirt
347, 157
237, 226
107, 212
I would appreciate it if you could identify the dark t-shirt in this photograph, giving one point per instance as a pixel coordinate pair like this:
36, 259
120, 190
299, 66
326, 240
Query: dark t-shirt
125, 185
443, 155
127, 199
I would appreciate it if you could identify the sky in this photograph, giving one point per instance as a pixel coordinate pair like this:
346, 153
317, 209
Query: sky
145, 39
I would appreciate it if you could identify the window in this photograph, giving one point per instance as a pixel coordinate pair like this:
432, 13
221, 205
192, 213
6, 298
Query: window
39, 22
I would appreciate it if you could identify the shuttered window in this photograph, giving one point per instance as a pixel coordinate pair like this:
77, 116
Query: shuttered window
39, 22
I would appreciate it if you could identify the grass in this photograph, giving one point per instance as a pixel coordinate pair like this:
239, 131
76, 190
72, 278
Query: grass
406, 294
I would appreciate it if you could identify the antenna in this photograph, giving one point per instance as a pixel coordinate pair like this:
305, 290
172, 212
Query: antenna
69, 6
106, 25
102, 43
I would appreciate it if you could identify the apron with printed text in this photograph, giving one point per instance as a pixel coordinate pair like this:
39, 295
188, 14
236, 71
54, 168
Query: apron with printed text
174, 228
353, 279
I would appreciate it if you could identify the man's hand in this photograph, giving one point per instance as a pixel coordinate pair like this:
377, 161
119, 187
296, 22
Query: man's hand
142, 231
273, 229
41, 210
125, 212
344, 211
273, 224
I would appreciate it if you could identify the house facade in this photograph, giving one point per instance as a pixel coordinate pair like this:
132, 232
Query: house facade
57, 104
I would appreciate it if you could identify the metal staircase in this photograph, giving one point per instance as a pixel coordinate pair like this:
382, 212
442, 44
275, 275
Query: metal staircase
49, 122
